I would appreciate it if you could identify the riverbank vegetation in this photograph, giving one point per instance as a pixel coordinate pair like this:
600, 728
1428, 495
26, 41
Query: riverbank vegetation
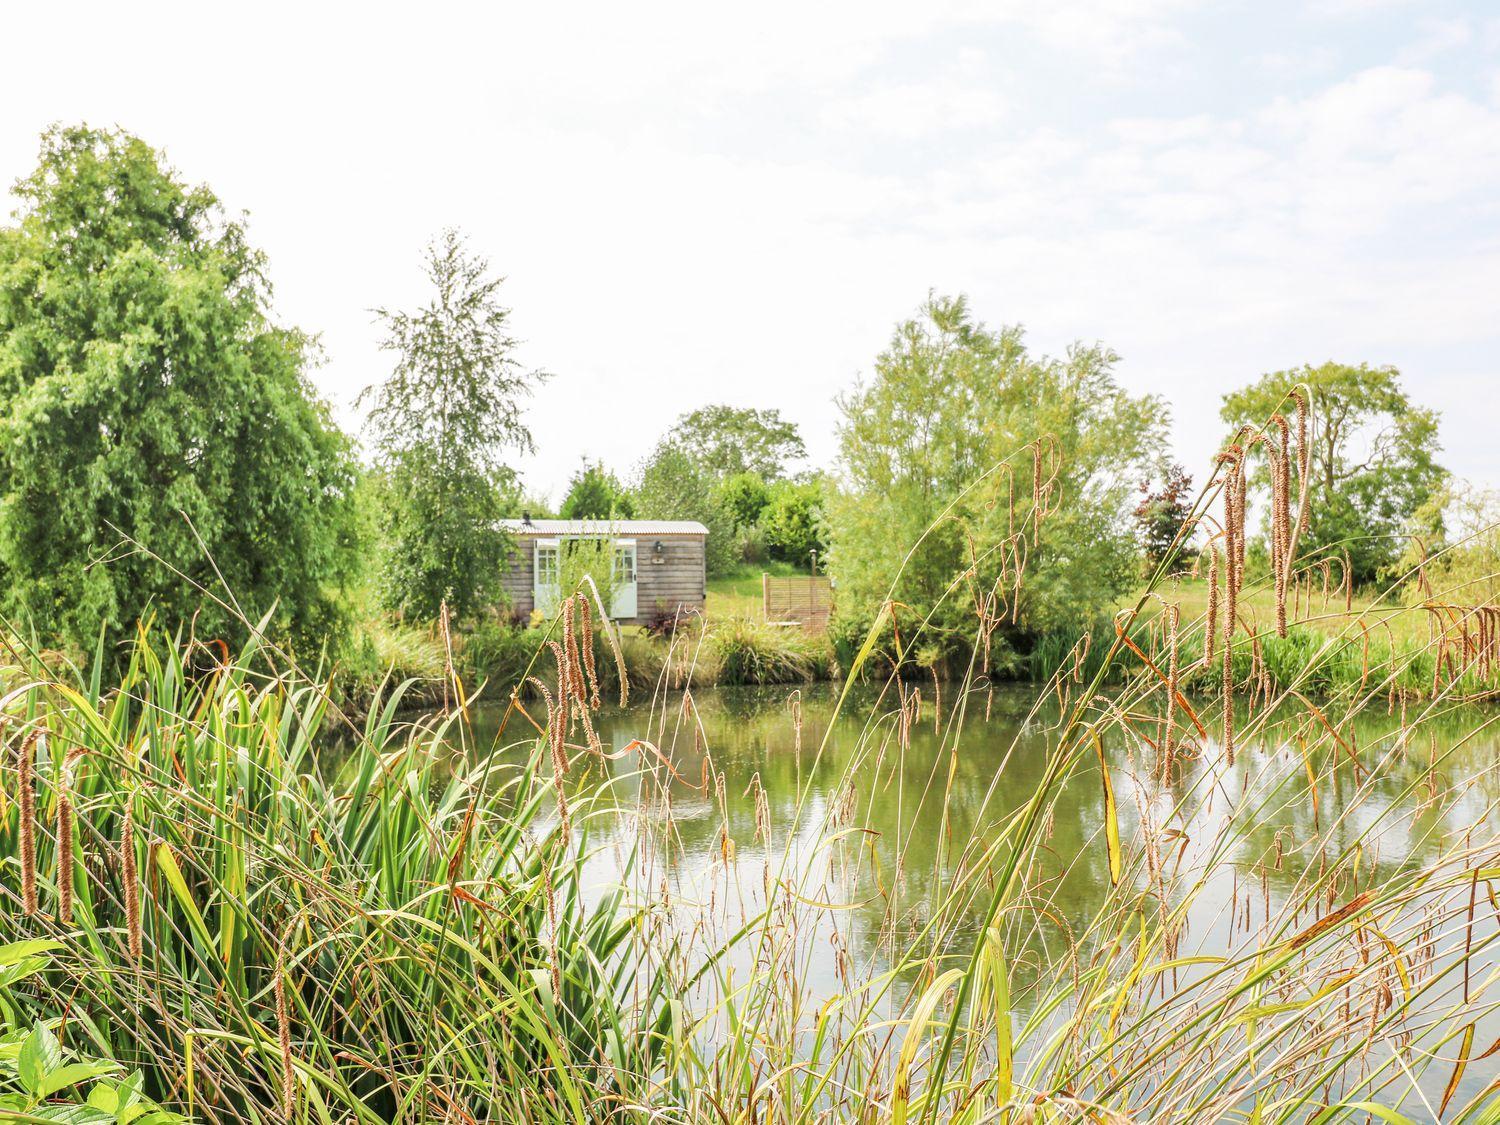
162, 455
262, 909
256, 863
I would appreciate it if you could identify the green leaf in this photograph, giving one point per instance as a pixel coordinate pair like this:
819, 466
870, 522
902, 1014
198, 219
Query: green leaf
167, 863
132, 1105
65, 1076
10, 974
105, 1096
73, 1114
18, 951
40, 1055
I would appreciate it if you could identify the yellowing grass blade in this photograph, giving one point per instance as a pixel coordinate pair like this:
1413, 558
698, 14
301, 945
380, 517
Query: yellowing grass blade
998, 974
1111, 816
168, 865
915, 1033
1458, 1068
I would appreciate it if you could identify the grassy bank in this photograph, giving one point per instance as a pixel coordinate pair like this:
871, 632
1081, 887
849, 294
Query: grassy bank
271, 913
727, 650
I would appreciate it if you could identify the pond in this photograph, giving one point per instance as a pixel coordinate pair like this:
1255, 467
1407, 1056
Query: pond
877, 816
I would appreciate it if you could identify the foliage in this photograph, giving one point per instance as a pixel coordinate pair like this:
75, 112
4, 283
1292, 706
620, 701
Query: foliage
1453, 547
281, 891
500, 655
584, 563
978, 454
728, 440
793, 521
161, 451
746, 497
1161, 514
672, 485
595, 493
1372, 457
750, 545
443, 423
380, 650
394, 932
42, 1080
749, 650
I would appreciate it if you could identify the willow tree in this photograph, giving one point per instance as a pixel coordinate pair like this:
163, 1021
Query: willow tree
444, 423
985, 461
161, 451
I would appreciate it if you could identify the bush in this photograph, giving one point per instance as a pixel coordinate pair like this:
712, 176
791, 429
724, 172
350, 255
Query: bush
746, 497
750, 651
381, 649
793, 521
751, 546
500, 654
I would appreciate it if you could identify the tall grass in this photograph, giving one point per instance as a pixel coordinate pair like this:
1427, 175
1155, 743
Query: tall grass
413, 928
381, 932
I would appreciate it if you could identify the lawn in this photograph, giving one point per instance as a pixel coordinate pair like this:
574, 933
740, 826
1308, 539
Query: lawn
1257, 608
738, 593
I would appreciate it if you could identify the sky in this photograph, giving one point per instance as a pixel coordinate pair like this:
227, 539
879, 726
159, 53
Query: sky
697, 203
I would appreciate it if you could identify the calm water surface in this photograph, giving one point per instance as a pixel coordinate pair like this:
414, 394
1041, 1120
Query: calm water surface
910, 812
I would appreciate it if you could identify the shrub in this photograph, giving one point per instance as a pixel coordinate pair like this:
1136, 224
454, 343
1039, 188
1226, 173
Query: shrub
751, 651
793, 521
746, 497
751, 546
380, 649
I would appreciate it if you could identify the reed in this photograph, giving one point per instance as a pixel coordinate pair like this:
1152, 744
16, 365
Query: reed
384, 922
356, 929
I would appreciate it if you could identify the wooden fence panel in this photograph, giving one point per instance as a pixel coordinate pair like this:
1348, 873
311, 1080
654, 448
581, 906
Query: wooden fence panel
805, 601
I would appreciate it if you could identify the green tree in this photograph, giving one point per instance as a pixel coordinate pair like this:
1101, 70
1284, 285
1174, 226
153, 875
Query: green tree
937, 454
1371, 452
673, 485
595, 493
727, 440
158, 436
793, 521
443, 423
1452, 549
746, 497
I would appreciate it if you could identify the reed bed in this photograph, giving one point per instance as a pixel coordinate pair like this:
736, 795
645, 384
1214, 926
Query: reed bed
275, 915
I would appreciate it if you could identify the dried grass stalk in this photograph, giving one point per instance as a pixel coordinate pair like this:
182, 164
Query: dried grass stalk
132, 890
26, 778
66, 860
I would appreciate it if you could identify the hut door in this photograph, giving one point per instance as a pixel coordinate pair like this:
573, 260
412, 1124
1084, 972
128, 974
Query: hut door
624, 604
546, 561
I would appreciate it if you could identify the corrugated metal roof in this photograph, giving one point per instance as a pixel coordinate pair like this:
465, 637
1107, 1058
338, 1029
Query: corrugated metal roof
605, 527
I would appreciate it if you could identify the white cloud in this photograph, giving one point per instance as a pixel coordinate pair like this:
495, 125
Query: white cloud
692, 206
1437, 37
916, 109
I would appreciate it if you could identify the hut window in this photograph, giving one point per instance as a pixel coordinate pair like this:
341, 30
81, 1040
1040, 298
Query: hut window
546, 564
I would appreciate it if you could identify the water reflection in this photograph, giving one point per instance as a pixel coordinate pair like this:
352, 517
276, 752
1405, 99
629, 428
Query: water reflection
746, 786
